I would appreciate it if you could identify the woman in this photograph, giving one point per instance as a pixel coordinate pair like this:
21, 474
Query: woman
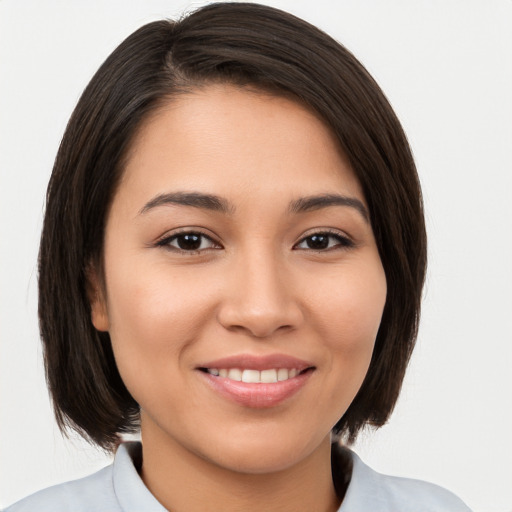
232, 261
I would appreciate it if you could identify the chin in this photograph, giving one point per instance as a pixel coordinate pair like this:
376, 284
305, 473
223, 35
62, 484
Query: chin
264, 454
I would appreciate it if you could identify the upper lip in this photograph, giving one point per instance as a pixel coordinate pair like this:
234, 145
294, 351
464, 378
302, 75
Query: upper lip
252, 362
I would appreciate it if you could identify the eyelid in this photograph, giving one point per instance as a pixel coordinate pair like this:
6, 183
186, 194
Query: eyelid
346, 241
164, 240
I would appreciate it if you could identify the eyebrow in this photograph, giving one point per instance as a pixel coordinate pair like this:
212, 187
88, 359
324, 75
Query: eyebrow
219, 204
194, 199
317, 202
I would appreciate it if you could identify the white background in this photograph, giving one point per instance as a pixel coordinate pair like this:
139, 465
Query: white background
446, 66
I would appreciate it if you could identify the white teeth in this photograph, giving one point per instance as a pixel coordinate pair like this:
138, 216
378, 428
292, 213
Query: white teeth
234, 374
283, 374
268, 376
255, 376
251, 376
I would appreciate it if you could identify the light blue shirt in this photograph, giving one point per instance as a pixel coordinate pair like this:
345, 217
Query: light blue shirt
119, 488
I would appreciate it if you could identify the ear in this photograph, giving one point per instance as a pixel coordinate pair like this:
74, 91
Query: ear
97, 299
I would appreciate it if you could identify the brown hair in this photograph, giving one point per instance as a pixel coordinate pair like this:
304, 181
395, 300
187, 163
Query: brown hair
242, 44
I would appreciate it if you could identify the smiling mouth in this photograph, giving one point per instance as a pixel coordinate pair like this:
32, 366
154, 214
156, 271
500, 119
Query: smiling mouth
252, 376
256, 388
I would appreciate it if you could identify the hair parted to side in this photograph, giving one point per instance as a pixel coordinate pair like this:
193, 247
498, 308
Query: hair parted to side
243, 44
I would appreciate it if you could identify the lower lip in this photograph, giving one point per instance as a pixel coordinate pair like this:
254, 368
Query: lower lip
255, 395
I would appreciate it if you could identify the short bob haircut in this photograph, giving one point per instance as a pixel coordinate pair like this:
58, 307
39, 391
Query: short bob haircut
246, 45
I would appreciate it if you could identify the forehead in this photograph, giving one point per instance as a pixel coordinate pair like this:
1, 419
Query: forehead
239, 142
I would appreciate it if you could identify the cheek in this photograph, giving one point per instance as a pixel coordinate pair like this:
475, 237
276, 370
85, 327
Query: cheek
351, 310
154, 315
152, 298
349, 317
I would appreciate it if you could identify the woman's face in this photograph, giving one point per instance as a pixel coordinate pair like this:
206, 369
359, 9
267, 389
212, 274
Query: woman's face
238, 246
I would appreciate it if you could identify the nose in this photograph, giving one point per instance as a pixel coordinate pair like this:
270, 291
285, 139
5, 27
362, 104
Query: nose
260, 298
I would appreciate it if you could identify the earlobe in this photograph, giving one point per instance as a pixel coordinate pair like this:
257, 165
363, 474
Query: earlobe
97, 301
99, 316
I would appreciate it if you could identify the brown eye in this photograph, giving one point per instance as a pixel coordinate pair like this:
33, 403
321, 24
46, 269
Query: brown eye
188, 242
317, 242
324, 241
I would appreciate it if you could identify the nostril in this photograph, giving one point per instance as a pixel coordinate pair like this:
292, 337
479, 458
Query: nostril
259, 318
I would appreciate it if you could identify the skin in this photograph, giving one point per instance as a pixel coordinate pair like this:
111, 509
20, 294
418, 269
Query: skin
254, 287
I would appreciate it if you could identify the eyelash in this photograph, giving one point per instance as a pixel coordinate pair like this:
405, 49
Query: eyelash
166, 242
343, 242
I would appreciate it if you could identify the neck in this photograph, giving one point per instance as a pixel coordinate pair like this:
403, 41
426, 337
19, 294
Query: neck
185, 482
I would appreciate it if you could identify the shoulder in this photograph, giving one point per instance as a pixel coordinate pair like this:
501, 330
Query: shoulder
116, 488
370, 490
94, 492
